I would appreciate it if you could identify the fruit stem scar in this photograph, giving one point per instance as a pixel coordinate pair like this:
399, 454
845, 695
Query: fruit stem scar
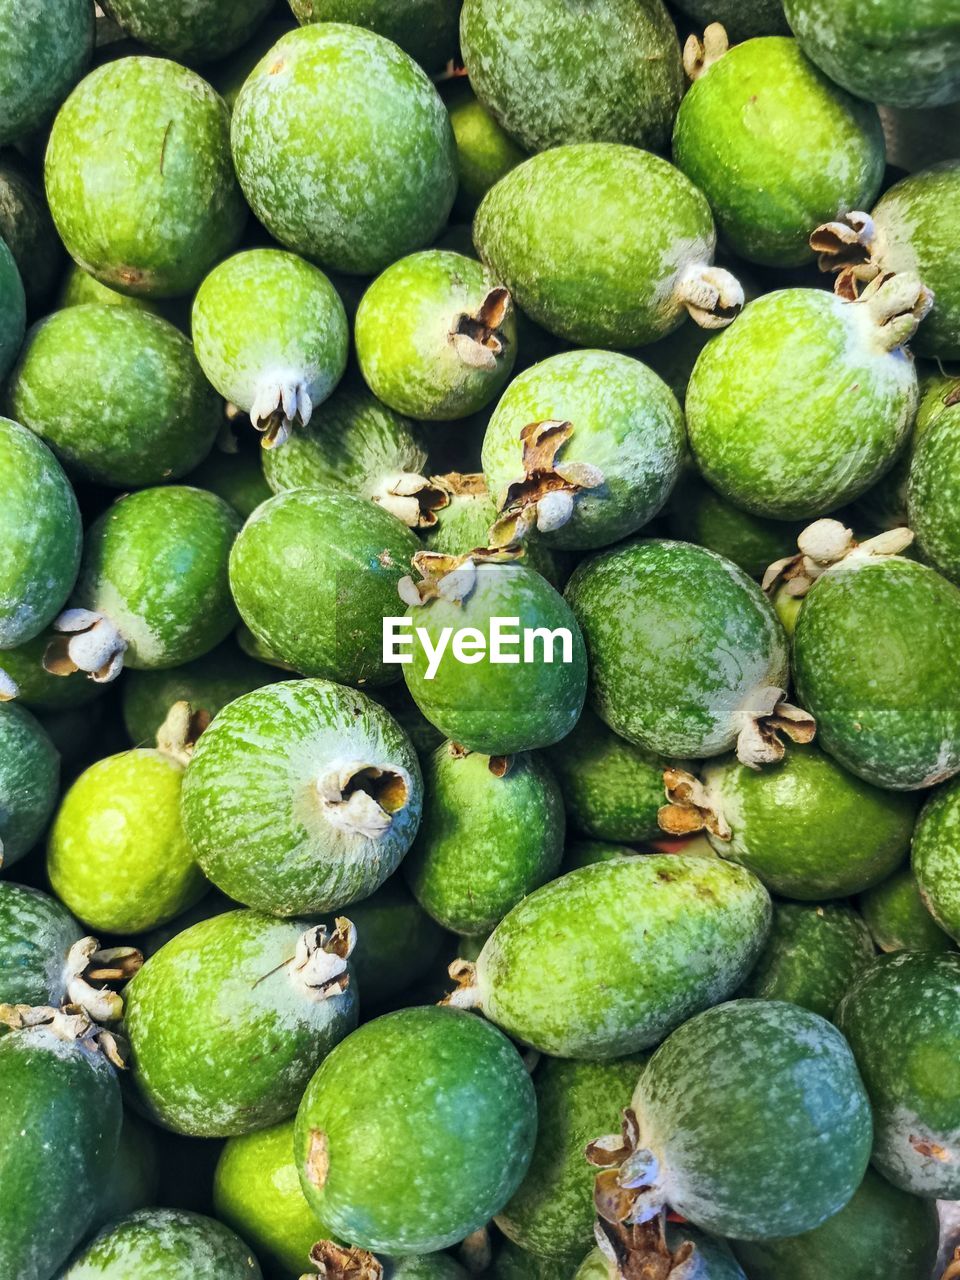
318, 1158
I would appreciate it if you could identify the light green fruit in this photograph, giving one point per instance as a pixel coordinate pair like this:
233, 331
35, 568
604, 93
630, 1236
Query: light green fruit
29, 782
13, 310
485, 151
933, 494
164, 1244
46, 49
513, 1263
936, 857
898, 918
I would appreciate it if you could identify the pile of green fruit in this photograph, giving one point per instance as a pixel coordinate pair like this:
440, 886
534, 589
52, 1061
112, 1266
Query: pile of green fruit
479, 639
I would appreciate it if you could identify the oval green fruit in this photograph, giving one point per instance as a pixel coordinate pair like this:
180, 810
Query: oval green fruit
933, 493
190, 31
36, 933
696, 513
485, 151
13, 310
898, 917
164, 1244
426, 29
29, 782
27, 228
46, 49
936, 857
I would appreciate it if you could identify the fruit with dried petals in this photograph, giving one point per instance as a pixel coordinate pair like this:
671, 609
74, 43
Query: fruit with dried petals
29, 782
46, 49
36, 933
673, 1254
164, 1244
898, 917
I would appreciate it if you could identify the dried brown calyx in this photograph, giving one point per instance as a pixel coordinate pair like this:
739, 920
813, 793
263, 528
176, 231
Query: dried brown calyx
478, 337
627, 1189
466, 484
87, 642
544, 499
953, 1267
335, 1262
91, 971
9, 688
641, 1252
280, 403
896, 304
827, 543
466, 995
361, 798
449, 577
412, 498
319, 965
690, 807
764, 716
70, 1024
177, 736
700, 55
847, 247
712, 296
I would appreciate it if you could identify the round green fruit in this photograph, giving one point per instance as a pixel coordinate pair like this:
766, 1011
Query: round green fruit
36, 687
436, 336
485, 151
13, 310
741, 18
164, 1244
271, 334
27, 228
898, 917
513, 1263
36, 934
472, 1110
46, 49
150, 217
228, 1021
237, 478
301, 797
630, 264
933, 495
936, 857
329, 91
29, 782
595, 964
696, 513
190, 31
426, 29
117, 394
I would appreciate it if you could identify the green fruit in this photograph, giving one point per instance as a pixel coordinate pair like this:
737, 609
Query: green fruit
36, 933
626, 268
134, 1180
301, 797
271, 334
711, 1258
372, 1104
807, 399
879, 1222
775, 147
898, 917
877, 662
936, 857
13, 310
313, 574
46, 49
492, 832
117, 393
805, 827
485, 151
117, 853
741, 18
153, 216
812, 956
577, 72
497, 708
611, 789
153, 589
190, 31
164, 1244
597, 964
904, 55
237, 478
331, 91
228, 1021
682, 644
699, 1134
436, 336
229, 74
618, 431
426, 29
29, 781
78, 288
933, 494
58, 1087
910, 1001
40, 536
513, 1263
26, 226
697, 514
583, 853
396, 699
551, 1214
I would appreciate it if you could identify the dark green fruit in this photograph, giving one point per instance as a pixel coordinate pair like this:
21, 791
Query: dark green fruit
164, 1244
741, 18
13, 310
492, 831
228, 1021
36, 933
153, 216
27, 228
426, 29
237, 478
46, 49
473, 1110
117, 394
936, 857
696, 513
301, 797
187, 30
29, 782
513, 1263
899, 919
135, 1176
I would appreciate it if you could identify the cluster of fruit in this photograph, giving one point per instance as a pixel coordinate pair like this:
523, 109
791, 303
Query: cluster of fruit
408, 964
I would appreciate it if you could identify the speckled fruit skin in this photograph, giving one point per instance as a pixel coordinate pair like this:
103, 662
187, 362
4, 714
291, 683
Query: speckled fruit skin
404, 337
26, 226
740, 18
879, 1222
223, 1036
933, 495
252, 811
314, 573
777, 149
513, 1263
13, 310
165, 1244
551, 1214
66, 1098
898, 918
798, 407
36, 932
677, 639
877, 662
29, 781
117, 853
46, 49
485, 841
155, 564
808, 828
901, 55
427, 1266
716, 1091
812, 956
911, 1000
696, 513
485, 151
596, 964
714, 1261
265, 317
117, 394
256, 1191
190, 30
626, 421
426, 29
152, 216
577, 72
612, 790
936, 857
331, 91
605, 275
40, 536
499, 709
443, 1105
77, 287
